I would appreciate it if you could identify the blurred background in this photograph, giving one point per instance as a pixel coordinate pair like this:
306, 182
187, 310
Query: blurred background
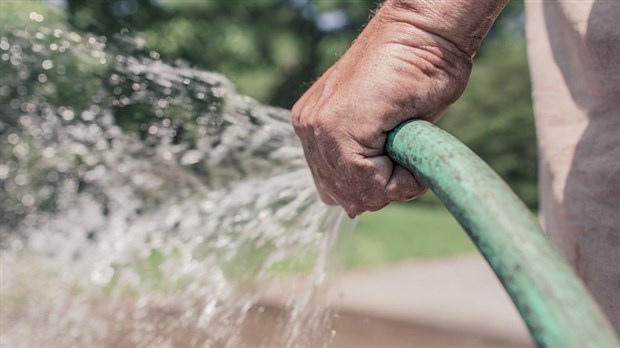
273, 50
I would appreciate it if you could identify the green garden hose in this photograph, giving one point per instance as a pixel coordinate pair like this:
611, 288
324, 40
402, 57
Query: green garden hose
551, 299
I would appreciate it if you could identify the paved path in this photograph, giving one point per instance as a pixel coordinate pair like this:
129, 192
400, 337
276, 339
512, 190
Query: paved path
457, 294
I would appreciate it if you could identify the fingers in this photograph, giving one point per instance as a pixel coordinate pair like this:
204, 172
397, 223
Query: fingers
380, 182
403, 185
355, 182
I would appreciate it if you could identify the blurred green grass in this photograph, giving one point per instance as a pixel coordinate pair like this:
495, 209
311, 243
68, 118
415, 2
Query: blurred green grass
396, 233
405, 231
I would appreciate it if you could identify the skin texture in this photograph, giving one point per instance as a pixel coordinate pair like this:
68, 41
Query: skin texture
411, 61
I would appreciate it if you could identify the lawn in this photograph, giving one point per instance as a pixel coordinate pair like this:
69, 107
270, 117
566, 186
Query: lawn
404, 231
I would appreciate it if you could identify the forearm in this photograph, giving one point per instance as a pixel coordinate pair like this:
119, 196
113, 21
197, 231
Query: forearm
421, 40
463, 23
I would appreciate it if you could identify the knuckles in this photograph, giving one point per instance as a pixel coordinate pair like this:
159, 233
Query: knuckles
296, 118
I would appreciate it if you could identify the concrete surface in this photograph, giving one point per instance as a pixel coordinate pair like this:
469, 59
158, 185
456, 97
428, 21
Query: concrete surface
457, 295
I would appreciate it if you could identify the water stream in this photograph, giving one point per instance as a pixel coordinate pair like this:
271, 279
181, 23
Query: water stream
146, 204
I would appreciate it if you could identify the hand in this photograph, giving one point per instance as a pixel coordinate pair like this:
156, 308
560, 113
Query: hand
393, 72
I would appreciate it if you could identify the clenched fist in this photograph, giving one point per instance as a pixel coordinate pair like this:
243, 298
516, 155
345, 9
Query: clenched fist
404, 65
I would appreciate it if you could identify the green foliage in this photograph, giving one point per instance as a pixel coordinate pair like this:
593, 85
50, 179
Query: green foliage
104, 17
270, 48
17, 14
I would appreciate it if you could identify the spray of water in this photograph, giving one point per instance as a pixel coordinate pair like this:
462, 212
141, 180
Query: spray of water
146, 204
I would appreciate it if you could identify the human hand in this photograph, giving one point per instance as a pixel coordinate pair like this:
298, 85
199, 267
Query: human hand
395, 71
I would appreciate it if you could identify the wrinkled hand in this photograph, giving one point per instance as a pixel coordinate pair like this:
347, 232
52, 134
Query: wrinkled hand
393, 72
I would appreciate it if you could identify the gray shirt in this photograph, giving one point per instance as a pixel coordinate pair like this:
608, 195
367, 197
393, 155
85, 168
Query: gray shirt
574, 55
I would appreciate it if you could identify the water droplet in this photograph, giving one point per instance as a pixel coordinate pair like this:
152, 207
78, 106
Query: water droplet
37, 17
162, 103
73, 36
15, 104
102, 275
21, 150
47, 64
26, 120
67, 114
29, 107
42, 78
37, 48
87, 116
21, 179
94, 129
15, 60
28, 200
16, 49
4, 171
48, 152
52, 176
13, 139
191, 157
208, 312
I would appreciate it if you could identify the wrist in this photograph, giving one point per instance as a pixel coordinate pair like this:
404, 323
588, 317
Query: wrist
461, 23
